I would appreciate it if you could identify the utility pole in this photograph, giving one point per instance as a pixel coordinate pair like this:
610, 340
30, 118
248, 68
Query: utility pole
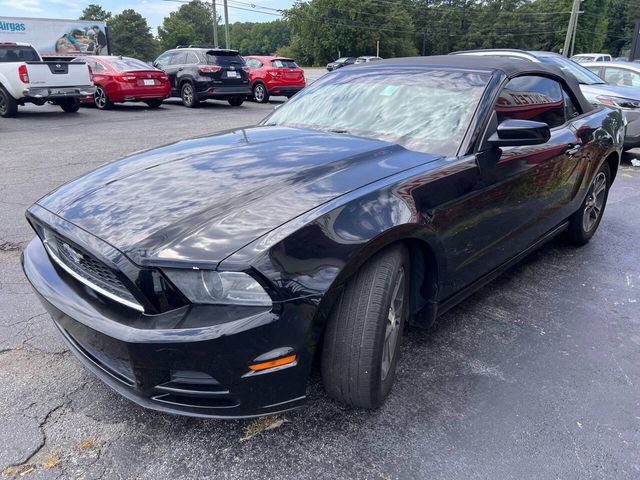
377, 48
226, 24
215, 24
424, 41
573, 20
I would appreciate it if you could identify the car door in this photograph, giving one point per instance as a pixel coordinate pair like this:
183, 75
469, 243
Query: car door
175, 68
163, 63
621, 77
519, 193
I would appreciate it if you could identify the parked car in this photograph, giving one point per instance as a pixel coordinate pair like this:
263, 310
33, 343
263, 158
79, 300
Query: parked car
201, 73
274, 76
205, 277
596, 90
622, 74
25, 78
341, 62
367, 59
124, 79
591, 57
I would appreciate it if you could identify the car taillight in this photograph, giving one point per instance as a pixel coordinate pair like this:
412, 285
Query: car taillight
273, 74
127, 78
23, 74
209, 68
90, 73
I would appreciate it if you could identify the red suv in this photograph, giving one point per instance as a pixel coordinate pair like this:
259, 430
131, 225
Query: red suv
274, 76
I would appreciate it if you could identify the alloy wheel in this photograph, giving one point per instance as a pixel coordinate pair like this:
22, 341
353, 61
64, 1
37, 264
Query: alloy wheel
595, 202
258, 93
394, 320
100, 98
3, 104
187, 94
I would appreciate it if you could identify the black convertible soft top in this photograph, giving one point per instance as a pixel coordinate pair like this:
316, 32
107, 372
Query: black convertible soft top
510, 67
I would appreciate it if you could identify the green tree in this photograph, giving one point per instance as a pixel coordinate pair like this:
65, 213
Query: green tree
622, 14
263, 38
131, 36
192, 23
325, 29
95, 12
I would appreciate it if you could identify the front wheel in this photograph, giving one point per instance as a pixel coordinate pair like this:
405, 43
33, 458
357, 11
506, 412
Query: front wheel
361, 345
260, 93
236, 101
154, 102
70, 105
8, 104
584, 223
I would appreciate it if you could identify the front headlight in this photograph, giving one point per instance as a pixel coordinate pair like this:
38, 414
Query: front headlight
619, 102
227, 288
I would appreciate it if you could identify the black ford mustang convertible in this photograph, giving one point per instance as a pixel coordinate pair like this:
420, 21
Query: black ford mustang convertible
206, 277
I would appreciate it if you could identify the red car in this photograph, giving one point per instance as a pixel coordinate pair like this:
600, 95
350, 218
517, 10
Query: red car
274, 76
125, 79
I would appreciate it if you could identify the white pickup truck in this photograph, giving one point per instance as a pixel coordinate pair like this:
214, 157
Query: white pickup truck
25, 78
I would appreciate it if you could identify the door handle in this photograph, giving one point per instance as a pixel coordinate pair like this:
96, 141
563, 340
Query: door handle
180, 69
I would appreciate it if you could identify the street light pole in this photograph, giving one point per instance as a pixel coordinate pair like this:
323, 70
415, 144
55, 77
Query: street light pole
215, 24
226, 24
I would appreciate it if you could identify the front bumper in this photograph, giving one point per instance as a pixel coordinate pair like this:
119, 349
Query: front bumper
200, 371
57, 93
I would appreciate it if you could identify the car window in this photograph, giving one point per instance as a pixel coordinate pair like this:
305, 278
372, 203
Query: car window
126, 63
426, 111
571, 110
282, 63
15, 53
621, 77
253, 63
192, 59
179, 58
97, 66
532, 98
164, 59
581, 74
595, 70
224, 59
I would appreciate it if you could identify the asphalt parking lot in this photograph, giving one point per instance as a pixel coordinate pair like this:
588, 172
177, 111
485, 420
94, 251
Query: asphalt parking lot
535, 376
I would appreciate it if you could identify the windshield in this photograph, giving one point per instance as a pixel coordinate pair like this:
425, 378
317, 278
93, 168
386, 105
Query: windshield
125, 63
15, 53
581, 74
284, 63
425, 111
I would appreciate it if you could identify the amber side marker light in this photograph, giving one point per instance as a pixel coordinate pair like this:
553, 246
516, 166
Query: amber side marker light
278, 362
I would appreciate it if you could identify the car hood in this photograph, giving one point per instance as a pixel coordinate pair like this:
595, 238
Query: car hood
201, 200
592, 91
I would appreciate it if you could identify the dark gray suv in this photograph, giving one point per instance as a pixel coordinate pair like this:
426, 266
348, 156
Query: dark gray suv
200, 73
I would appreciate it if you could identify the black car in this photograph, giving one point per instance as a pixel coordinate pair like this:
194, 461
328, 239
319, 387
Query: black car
207, 276
341, 62
200, 73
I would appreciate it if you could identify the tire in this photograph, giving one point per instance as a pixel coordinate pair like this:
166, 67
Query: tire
101, 99
357, 364
584, 223
8, 104
260, 93
188, 96
236, 101
70, 105
154, 102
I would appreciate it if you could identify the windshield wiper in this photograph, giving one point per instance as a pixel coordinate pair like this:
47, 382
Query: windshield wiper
338, 130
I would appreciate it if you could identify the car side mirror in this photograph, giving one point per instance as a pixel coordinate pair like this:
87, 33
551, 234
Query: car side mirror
516, 133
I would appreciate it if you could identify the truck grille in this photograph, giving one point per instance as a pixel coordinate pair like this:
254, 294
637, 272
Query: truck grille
90, 271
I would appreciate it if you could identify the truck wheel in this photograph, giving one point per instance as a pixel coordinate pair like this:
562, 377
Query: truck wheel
361, 345
8, 104
101, 99
70, 105
188, 96
236, 101
260, 93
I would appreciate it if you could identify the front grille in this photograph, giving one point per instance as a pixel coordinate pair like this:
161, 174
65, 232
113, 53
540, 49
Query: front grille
89, 270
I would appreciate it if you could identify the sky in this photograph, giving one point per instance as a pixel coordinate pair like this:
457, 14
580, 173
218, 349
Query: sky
153, 10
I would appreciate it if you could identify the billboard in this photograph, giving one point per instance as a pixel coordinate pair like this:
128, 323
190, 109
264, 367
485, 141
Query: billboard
55, 38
